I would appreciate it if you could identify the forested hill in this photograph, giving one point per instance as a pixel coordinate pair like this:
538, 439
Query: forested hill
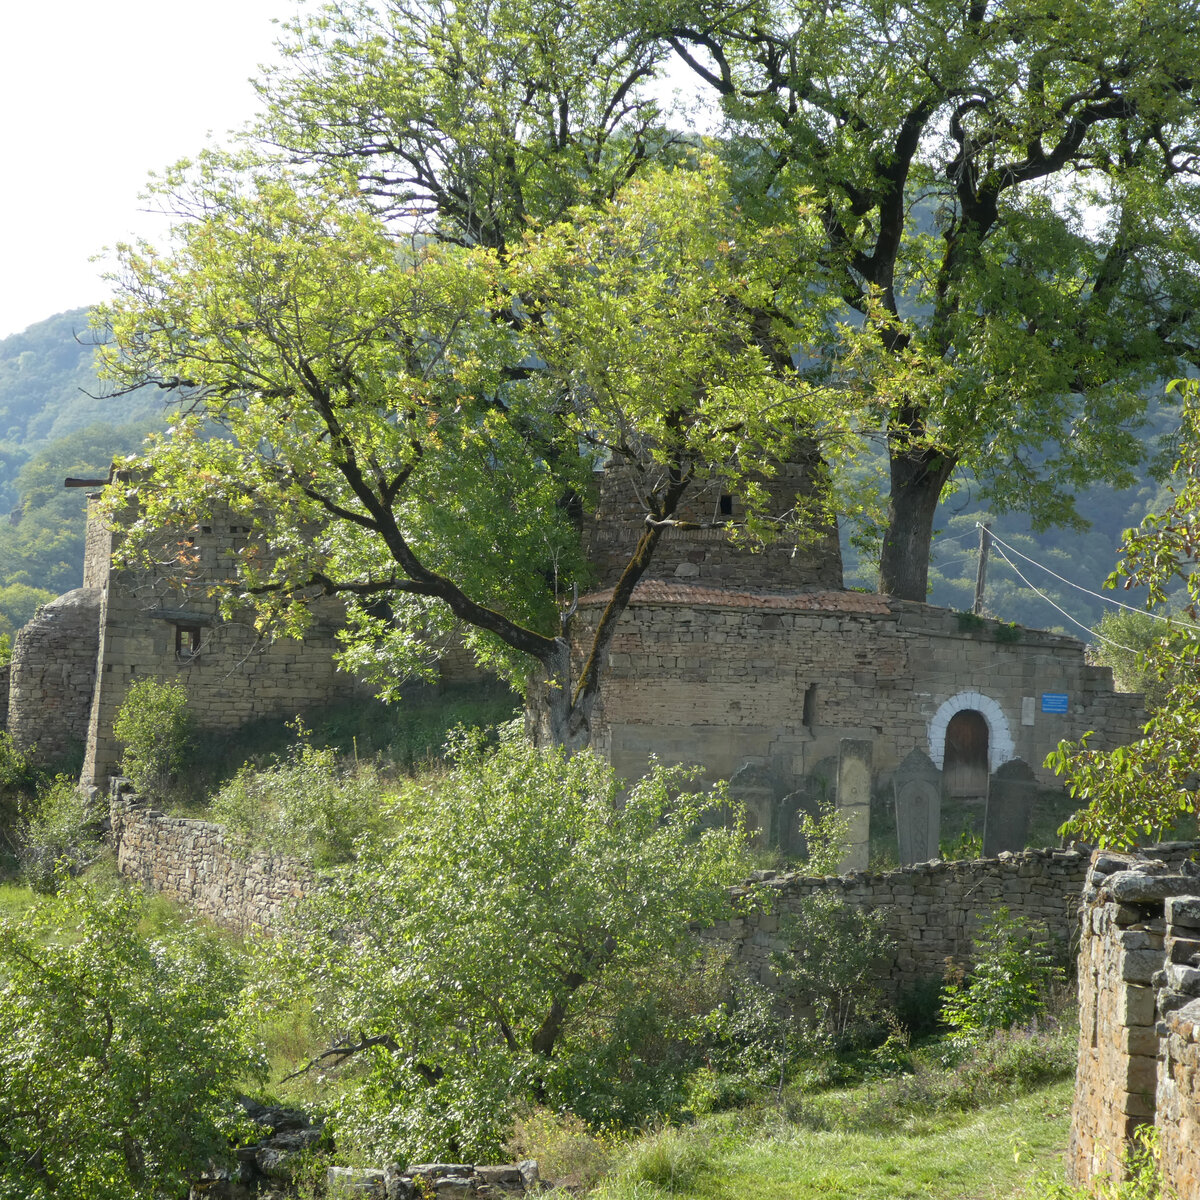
54, 422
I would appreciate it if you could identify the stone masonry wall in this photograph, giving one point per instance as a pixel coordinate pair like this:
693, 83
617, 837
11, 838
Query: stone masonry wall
726, 679
5, 675
932, 909
162, 624
1139, 1036
52, 676
193, 863
699, 548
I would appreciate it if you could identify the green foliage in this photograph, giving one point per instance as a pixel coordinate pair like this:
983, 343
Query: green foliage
1007, 985
831, 966
1144, 652
155, 726
119, 1055
1139, 791
1142, 1177
19, 783
311, 804
826, 836
504, 943
59, 835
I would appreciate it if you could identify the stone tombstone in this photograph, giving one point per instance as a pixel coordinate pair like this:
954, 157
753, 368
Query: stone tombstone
1011, 792
854, 801
756, 788
917, 786
806, 800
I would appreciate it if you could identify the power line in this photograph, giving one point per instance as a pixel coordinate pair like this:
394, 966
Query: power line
1077, 586
1063, 611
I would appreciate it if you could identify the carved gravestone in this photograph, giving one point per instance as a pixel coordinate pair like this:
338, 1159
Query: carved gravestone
1010, 801
854, 801
807, 800
917, 785
756, 788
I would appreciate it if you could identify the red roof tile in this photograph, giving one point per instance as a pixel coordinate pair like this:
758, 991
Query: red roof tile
661, 591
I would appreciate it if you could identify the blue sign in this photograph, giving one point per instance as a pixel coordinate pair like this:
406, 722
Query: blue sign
1056, 702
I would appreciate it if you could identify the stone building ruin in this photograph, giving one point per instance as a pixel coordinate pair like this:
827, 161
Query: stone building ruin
72, 665
763, 669
753, 662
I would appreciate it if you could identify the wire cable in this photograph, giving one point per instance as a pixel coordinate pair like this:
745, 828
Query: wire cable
1037, 591
1077, 586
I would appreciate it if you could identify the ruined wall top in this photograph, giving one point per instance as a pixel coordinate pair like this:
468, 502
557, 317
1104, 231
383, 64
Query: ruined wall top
703, 546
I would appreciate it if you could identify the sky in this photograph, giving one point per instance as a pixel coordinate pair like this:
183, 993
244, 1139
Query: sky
94, 97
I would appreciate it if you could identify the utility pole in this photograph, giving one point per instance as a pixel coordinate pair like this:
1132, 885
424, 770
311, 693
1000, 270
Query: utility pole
985, 544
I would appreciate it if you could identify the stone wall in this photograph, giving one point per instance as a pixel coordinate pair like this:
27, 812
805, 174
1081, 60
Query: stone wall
5, 676
53, 674
707, 543
161, 623
728, 679
194, 863
932, 909
1139, 1006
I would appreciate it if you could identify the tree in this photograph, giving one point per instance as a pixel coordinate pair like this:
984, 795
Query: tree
119, 1054
414, 428
483, 954
1009, 197
1139, 791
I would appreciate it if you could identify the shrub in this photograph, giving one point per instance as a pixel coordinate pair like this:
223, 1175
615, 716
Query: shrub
58, 835
1007, 985
310, 804
156, 728
119, 1055
505, 944
830, 968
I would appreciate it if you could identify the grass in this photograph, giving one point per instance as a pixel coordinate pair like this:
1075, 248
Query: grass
983, 1155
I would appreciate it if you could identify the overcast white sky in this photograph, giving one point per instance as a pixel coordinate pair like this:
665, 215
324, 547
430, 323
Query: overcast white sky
93, 96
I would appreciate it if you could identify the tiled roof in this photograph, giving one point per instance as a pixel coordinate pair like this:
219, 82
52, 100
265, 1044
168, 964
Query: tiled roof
661, 591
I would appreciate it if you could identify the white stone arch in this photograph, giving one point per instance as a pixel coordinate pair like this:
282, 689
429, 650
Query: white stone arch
1000, 743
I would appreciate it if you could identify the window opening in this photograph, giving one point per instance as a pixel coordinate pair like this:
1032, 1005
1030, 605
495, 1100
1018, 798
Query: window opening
187, 642
809, 716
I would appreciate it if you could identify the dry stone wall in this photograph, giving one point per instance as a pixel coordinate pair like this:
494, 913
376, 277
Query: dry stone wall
195, 863
1139, 1007
53, 674
932, 910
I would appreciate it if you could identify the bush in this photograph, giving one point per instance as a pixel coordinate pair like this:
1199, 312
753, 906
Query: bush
830, 969
311, 805
505, 944
1008, 984
58, 835
156, 728
119, 1055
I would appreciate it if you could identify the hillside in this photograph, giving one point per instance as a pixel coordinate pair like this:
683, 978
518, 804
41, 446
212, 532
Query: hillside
54, 421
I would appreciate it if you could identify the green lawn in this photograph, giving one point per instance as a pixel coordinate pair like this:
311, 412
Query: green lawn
984, 1155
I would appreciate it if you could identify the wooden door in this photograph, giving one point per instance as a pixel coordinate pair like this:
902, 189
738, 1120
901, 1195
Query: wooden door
966, 759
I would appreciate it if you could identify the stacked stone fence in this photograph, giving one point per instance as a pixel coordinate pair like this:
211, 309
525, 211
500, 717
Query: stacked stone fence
931, 910
1139, 1008
197, 864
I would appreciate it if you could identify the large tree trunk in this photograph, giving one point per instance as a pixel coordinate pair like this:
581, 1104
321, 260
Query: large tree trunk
917, 482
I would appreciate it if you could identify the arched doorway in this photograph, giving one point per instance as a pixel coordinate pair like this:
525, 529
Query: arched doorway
965, 758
